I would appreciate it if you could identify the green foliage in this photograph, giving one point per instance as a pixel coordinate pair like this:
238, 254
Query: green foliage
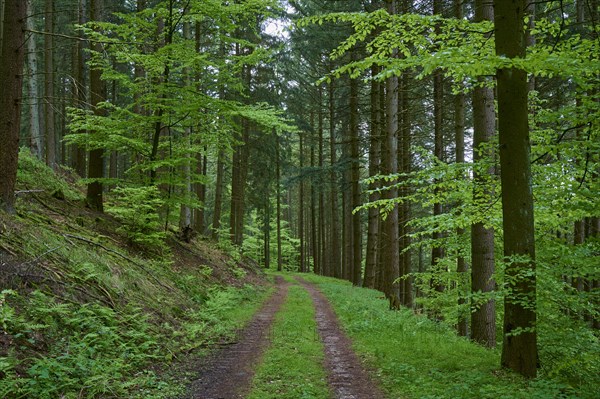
295, 345
35, 175
94, 349
415, 357
137, 209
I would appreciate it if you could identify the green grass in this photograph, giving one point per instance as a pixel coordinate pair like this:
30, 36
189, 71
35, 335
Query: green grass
293, 366
414, 357
88, 316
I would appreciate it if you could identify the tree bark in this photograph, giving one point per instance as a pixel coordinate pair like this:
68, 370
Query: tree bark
519, 349
97, 94
36, 144
483, 315
278, 200
11, 83
325, 269
303, 268
355, 185
335, 238
49, 84
437, 252
391, 256
462, 267
374, 160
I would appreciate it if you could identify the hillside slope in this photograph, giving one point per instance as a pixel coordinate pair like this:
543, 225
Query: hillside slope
84, 312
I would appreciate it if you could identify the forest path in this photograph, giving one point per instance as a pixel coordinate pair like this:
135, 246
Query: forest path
227, 373
347, 377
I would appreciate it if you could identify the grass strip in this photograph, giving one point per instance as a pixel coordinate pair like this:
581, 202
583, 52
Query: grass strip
414, 357
293, 366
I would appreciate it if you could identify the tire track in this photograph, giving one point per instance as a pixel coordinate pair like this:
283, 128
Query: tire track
346, 375
228, 373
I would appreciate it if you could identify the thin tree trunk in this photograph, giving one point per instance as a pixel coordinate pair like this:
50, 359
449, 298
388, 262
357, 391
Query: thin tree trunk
11, 83
278, 200
355, 186
315, 243
325, 269
216, 223
437, 252
301, 208
374, 160
49, 85
406, 165
36, 143
391, 257
519, 349
185, 211
201, 169
335, 238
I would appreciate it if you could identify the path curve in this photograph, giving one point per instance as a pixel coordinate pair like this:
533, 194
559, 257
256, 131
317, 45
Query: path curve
346, 375
228, 373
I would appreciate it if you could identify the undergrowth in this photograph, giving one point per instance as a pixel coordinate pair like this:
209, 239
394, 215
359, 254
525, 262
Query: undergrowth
84, 314
415, 357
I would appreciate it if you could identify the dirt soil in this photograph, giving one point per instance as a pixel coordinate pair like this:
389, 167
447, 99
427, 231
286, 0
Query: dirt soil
228, 372
347, 377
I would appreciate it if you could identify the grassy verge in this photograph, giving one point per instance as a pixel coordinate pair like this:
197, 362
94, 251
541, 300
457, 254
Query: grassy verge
414, 357
293, 366
84, 313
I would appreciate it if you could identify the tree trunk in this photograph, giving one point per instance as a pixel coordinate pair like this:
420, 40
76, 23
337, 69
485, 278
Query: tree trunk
303, 268
325, 269
355, 186
185, 211
335, 238
49, 84
278, 200
315, 243
483, 315
519, 349
35, 143
374, 158
391, 256
11, 83
200, 188
97, 94
406, 167
462, 267
437, 252
216, 223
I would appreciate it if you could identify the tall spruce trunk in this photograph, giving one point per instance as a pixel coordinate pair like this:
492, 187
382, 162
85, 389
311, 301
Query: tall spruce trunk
301, 209
462, 325
519, 349
391, 256
355, 184
278, 200
483, 315
374, 160
315, 243
334, 226
97, 94
49, 104
11, 84
325, 269
36, 143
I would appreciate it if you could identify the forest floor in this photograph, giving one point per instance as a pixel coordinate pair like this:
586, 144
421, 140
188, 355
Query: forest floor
229, 371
